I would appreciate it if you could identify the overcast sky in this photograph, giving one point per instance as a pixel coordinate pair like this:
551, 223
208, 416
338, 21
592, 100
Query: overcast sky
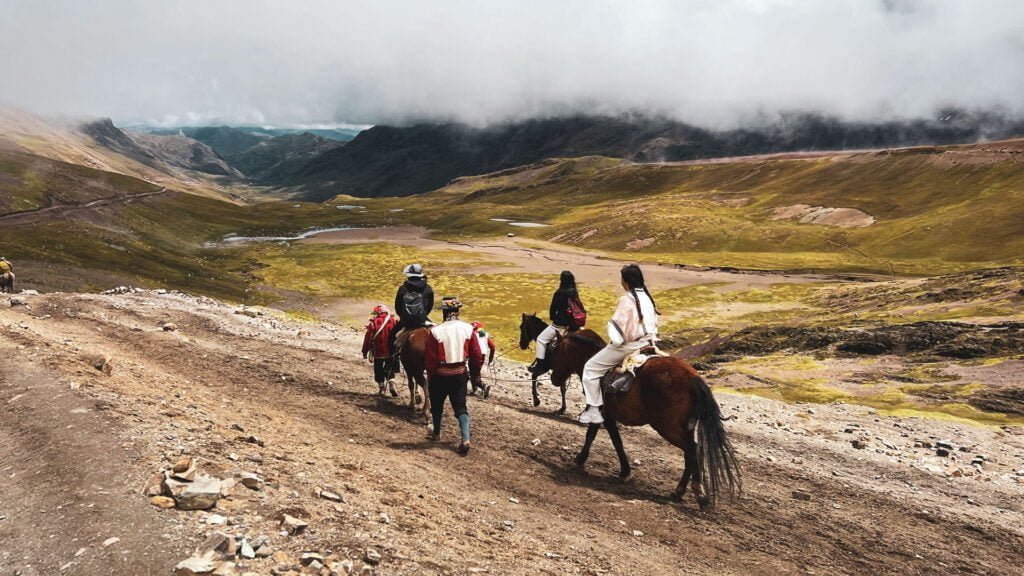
711, 62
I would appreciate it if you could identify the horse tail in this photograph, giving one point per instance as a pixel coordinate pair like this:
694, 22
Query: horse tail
719, 469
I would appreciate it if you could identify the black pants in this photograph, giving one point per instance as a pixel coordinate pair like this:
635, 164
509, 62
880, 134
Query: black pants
452, 388
382, 370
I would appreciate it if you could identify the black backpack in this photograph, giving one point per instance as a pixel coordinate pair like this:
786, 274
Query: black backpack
412, 302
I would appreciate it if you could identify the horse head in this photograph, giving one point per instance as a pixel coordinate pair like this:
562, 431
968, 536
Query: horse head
529, 328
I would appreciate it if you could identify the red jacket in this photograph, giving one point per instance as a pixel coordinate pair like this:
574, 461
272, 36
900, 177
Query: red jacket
378, 336
450, 346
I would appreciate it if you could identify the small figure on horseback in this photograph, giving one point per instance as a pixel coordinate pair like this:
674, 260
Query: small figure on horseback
567, 315
450, 347
377, 348
6, 276
564, 346
413, 304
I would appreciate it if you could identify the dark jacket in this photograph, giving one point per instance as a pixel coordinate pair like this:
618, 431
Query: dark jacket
416, 285
559, 310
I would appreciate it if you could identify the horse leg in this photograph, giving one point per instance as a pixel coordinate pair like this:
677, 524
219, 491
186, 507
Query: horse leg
565, 384
536, 397
412, 390
584, 453
613, 431
690, 469
426, 397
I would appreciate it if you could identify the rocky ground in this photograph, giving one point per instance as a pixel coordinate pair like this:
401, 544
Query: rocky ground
115, 406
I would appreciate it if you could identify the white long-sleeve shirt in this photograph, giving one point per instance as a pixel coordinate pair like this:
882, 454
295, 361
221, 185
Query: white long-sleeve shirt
625, 325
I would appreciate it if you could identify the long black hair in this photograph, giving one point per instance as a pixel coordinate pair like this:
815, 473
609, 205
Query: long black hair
634, 279
567, 283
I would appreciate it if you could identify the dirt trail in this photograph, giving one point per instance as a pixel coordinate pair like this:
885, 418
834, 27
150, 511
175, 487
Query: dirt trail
514, 506
50, 212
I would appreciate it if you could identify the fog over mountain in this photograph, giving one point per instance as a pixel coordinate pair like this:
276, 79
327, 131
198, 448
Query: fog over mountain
714, 63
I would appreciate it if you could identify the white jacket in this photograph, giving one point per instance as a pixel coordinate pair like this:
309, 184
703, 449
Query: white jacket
625, 325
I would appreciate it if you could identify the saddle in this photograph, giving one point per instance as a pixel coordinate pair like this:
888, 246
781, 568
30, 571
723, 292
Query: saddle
619, 380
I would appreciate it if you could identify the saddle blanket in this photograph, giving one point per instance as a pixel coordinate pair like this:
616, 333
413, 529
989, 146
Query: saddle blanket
619, 380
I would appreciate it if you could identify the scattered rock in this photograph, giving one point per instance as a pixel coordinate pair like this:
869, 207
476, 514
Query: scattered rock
18, 301
219, 545
293, 525
372, 556
328, 495
860, 444
254, 440
245, 550
308, 558
637, 533
943, 452
250, 480
162, 502
110, 542
154, 485
184, 469
104, 364
169, 327
804, 496
195, 566
201, 494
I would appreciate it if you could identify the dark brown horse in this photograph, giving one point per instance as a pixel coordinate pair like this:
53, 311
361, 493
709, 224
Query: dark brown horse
413, 356
562, 353
7, 282
668, 394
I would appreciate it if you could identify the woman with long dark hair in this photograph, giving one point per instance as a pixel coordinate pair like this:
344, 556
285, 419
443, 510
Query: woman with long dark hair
564, 302
633, 326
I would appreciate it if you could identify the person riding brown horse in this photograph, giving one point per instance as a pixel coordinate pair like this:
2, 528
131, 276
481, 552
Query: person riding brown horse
567, 315
560, 355
668, 394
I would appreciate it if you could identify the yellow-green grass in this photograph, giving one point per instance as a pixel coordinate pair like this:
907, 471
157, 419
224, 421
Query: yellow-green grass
892, 401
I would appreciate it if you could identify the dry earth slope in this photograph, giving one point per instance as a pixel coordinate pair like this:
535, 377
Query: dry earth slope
290, 402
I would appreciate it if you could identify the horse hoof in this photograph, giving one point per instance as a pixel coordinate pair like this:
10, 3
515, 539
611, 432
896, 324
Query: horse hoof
560, 411
625, 474
676, 496
536, 402
579, 461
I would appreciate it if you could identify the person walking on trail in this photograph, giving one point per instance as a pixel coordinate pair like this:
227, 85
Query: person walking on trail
633, 326
488, 348
377, 348
567, 315
413, 303
451, 345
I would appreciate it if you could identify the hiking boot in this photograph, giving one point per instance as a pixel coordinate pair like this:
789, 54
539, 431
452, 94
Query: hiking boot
487, 391
592, 415
463, 448
430, 434
380, 388
539, 367
392, 388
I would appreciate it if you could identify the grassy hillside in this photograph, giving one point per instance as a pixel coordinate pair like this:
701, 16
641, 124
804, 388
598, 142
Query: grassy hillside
935, 209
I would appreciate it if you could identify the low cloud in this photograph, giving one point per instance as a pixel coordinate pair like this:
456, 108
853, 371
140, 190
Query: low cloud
710, 62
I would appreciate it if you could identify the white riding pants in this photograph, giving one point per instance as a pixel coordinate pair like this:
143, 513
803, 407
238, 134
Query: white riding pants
609, 357
544, 339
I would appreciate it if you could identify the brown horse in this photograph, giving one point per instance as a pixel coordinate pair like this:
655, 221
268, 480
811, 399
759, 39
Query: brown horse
668, 394
413, 356
7, 282
563, 352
